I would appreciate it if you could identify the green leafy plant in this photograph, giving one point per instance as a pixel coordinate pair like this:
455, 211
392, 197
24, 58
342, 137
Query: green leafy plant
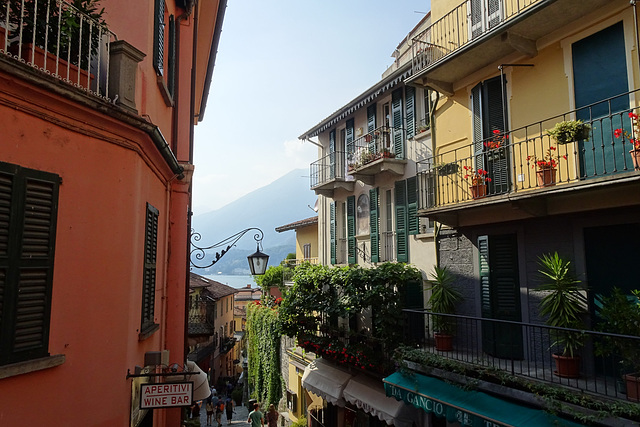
263, 343
570, 131
302, 422
444, 298
565, 304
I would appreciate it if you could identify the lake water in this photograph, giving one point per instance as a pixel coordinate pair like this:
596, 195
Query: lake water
235, 281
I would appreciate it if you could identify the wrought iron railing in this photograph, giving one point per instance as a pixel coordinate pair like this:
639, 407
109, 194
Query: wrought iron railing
328, 168
201, 316
56, 38
462, 25
509, 162
527, 350
383, 142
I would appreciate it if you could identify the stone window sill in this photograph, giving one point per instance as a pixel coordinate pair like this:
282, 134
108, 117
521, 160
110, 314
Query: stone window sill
148, 331
31, 366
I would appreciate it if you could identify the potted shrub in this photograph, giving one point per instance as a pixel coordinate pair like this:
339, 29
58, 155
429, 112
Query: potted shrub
478, 179
635, 143
620, 314
444, 299
570, 131
565, 305
546, 166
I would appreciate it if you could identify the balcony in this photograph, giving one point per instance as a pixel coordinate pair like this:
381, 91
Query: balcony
329, 173
517, 353
56, 39
595, 173
201, 317
477, 33
382, 150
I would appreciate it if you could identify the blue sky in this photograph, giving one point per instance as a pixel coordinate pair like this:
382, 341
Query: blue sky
282, 67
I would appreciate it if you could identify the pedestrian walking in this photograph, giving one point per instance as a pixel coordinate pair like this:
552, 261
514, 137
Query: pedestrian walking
210, 410
256, 419
228, 406
272, 416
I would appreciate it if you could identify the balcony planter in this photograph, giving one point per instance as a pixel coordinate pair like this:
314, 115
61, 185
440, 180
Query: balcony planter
478, 190
567, 366
633, 387
635, 155
448, 169
570, 131
367, 138
546, 176
444, 342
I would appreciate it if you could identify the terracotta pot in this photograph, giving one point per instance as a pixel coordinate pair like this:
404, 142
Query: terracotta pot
635, 155
633, 387
546, 177
367, 138
478, 190
444, 342
567, 366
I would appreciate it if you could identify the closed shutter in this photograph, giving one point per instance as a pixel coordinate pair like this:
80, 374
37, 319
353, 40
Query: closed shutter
371, 126
28, 215
158, 37
494, 119
374, 225
397, 130
413, 322
478, 134
171, 77
494, 12
332, 155
476, 16
413, 222
410, 110
332, 231
402, 239
149, 272
351, 229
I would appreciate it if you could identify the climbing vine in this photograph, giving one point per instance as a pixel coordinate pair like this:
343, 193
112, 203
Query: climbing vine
263, 339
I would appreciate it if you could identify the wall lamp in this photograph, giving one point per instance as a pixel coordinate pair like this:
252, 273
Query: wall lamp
257, 261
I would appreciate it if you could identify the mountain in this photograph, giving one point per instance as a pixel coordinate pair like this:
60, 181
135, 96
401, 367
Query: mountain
284, 201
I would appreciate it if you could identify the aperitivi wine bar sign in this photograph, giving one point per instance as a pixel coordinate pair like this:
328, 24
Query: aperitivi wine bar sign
165, 395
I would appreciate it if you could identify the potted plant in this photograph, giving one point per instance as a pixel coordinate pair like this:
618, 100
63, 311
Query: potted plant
478, 181
546, 167
620, 314
635, 143
570, 131
564, 305
444, 299
387, 154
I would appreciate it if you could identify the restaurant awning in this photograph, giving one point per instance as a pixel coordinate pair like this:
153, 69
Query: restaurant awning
368, 395
326, 381
469, 408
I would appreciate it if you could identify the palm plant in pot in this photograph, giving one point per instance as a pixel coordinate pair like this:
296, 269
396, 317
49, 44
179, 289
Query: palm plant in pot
444, 299
620, 314
565, 305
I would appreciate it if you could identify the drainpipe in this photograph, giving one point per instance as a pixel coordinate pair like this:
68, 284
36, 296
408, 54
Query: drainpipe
436, 226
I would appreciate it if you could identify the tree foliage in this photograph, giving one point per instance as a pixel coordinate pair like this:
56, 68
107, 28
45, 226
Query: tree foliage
263, 339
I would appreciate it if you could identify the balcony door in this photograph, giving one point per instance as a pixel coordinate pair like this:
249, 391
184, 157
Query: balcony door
599, 73
489, 114
483, 15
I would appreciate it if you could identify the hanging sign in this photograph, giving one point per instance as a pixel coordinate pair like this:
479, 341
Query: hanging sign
165, 395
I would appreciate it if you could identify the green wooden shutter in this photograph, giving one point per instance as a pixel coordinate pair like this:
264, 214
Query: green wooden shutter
28, 216
332, 231
158, 37
351, 229
332, 155
497, 161
402, 239
413, 322
485, 290
374, 225
149, 271
171, 75
397, 129
410, 110
349, 136
413, 222
371, 126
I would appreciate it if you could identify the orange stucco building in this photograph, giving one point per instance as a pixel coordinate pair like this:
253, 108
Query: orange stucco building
95, 197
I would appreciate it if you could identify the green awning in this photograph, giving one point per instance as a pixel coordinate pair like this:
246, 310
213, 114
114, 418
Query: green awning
469, 408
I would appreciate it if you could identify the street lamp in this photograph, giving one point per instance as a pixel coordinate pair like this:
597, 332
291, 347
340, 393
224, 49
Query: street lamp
257, 261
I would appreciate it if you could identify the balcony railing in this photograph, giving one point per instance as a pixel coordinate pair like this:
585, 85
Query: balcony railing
383, 143
55, 38
526, 350
462, 25
329, 168
201, 317
509, 163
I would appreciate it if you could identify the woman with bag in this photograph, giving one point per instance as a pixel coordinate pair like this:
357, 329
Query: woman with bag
272, 416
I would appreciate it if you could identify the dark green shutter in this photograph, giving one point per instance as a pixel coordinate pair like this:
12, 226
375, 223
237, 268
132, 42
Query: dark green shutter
414, 322
371, 126
410, 110
28, 216
351, 229
402, 239
171, 76
497, 163
158, 37
348, 139
397, 128
149, 271
332, 231
332, 154
413, 222
374, 225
